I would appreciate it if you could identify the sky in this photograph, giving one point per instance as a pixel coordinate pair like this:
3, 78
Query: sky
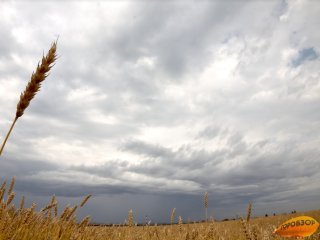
153, 103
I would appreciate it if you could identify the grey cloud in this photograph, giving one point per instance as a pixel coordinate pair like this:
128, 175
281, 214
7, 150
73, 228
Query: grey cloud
280, 8
255, 165
147, 149
262, 175
21, 168
209, 132
155, 30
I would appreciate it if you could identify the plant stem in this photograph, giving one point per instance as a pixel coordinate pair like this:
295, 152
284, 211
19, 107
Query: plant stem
8, 134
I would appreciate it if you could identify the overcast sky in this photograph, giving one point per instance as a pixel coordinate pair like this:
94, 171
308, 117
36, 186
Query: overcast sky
152, 103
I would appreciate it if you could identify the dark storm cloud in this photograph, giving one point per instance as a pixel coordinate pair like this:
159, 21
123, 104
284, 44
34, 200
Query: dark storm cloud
12, 167
275, 175
255, 164
255, 172
60, 188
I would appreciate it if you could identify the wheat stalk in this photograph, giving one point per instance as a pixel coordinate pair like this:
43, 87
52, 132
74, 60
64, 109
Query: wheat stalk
11, 185
172, 216
71, 213
130, 218
249, 212
33, 86
29, 213
85, 200
48, 207
180, 224
84, 222
21, 206
10, 198
206, 204
245, 229
2, 190
65, 212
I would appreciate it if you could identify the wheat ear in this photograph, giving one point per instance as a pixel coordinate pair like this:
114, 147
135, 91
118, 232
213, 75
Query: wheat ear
33, 86
172, 216
11, 185
85, 200
180, 222
249, 209
130, 218
205, 201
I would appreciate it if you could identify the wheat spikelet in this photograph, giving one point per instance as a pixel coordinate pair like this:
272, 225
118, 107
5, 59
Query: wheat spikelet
55, 206
11, 185
35, 83
33, 86
187, 236
53, 199
172, 216
55, 210
245, 229
180, 224
85, 200
254, 234
249, 212
2, 191
65, 212
21, 205
205, 198
29, 213
84, 222
71, 213
48, 207
10, 198
3, 186
53, 203
210, 234
130, 218
205, 201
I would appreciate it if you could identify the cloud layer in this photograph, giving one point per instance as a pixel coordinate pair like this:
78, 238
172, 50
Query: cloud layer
150, 104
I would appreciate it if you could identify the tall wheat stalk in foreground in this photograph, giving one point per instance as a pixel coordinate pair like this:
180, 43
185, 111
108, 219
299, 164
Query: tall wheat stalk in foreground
33, 86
